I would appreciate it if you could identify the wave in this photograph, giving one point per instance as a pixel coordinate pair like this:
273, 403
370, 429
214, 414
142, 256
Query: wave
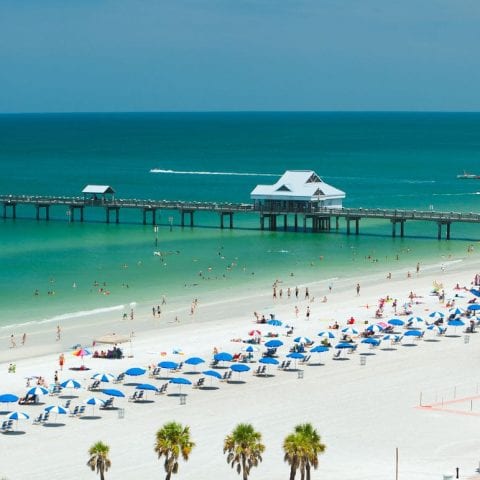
70, 315
238, 174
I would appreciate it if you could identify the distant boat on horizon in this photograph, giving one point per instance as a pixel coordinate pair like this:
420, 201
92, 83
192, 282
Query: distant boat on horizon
468, 176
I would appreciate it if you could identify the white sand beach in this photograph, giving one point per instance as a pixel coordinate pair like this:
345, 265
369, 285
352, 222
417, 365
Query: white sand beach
363, 412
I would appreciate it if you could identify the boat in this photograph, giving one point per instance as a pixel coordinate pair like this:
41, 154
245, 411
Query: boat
468, 176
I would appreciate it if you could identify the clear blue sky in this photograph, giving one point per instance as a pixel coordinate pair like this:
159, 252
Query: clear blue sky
163, 55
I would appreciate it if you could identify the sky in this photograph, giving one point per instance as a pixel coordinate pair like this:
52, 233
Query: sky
230, 55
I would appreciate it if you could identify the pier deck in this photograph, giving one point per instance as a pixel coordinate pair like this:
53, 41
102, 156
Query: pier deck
313, 219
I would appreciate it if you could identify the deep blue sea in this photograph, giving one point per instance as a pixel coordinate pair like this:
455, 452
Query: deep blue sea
390, 160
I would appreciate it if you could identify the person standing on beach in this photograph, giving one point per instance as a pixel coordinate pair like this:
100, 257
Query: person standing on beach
307, 293
296, 311
132, 315
24, 338
61, 361
308, 313
164, 300
418, 268
13, 344
296, 293
153, 311
358, 289
59, 333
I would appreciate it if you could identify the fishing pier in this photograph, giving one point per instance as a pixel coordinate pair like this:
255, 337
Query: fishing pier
304, 218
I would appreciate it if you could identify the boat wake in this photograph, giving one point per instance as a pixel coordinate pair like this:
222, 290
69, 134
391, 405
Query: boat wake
237, 174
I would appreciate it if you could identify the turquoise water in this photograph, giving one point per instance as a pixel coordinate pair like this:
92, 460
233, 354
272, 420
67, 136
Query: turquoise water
380, 160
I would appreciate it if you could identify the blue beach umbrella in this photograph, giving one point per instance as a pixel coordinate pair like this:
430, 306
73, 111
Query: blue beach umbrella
456, 322
475, 292
194, 361
350, 331
113, 392
180, 381
371, 341
94, 402
319, 349
146, 386
212, 373
396, 322
250, 349
17, 416
8, 398
71, 383
376, 328
269, 361
418, 321
104, 377
239, 367
37, 391
326, 334
56, 409
473, 307
436, 328
413, 333
391, 337
302, 340
223, 357
456, 311
343, 345
275, 323
296, 355
168, 365
274, 343
135, 371
436, 315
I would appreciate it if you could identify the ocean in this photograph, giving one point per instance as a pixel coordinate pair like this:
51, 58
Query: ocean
381, 160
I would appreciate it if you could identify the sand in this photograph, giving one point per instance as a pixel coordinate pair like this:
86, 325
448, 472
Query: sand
363, 412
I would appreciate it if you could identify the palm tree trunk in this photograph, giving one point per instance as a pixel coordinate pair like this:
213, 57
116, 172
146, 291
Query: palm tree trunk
302, 473
169, 474
293, 472
308, 470
244, 469
102, 474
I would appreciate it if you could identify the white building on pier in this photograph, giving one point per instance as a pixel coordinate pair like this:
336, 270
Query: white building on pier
297, 191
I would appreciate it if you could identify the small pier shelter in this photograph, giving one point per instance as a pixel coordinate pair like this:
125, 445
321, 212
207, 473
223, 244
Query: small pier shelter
297, 191
98, 193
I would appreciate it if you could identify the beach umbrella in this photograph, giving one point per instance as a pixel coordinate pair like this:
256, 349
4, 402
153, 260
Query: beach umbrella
17, 416
57, 410
250, 349
146, 386
37, 391
104, 377
113, 392
168, 365
302, 340
396, 322
296, 356
374, 328
239, 367
473, 307
475, 292
350, 331
371, 341
135, 371
71, 383
223, 357
319, 349
391, 338
343, 345
456, 311
180, 381
8, 398
194, 361
415, 321
436, 328
274, 343
456, 323
269, 361
82, 353
436, 315
212, 373
94, 401
254, 333
326, 334
274, 322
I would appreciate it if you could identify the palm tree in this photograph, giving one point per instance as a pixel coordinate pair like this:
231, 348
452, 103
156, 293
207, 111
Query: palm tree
99, 460
244, 448
302, 449
173, 440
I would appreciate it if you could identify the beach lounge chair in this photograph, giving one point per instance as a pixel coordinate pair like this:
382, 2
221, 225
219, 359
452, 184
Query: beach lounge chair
199, 383
226, 376
337, 354
38, 420
140, 396
7, 426
108, 404
55, 390
287, 365
179, 366
67, 404
258, 371
282, 365
81, 410
155, 372
74, 412
95, 385
262, 370
120, 378
353, 349
214, 363
162, 390
134, 396
305, 359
